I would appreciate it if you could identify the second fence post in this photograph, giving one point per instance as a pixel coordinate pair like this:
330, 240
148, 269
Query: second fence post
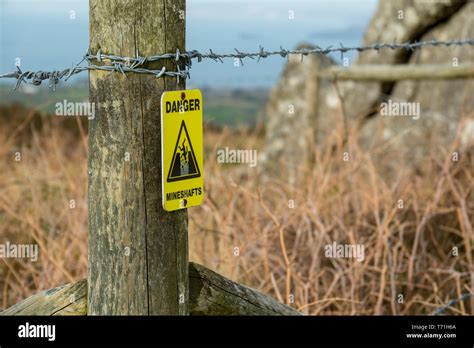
138, 253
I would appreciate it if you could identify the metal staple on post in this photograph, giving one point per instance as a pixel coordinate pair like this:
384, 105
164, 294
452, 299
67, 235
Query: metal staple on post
136, 64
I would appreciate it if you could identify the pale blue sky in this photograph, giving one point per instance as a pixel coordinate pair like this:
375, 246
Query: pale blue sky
43, 35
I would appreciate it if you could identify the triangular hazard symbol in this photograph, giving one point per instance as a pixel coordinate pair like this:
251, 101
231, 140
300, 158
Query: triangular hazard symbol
183, 164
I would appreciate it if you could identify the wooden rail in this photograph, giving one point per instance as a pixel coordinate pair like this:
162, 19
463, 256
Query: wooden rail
388, 72
69, 299
210, 294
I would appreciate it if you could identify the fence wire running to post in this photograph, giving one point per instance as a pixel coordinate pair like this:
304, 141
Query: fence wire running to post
184, 60
451, 303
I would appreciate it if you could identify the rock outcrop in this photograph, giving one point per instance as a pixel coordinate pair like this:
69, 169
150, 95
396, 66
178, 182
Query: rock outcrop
442, 104
394, 21
291, 113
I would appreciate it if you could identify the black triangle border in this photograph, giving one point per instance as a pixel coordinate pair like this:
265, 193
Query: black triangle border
192, 176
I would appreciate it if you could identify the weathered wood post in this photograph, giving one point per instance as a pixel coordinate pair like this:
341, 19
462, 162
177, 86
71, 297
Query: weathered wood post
138, 253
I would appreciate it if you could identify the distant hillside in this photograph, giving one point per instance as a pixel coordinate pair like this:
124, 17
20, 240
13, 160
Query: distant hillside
222, 107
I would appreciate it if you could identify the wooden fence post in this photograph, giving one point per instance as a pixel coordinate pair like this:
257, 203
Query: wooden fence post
138, 253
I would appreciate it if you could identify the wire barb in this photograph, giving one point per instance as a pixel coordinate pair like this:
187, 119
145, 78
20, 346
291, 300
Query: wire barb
183, 61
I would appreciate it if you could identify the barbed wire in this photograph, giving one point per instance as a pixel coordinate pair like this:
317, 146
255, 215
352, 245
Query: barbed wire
451, 303
194, 54
37, 77
184, 60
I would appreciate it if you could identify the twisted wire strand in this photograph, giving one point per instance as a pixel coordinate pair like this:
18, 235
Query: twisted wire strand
195, 54
451, 303
183, 60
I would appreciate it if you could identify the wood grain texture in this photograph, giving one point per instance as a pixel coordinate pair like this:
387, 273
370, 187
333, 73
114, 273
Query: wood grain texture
210, 294
138, 253
213, 294
69, 299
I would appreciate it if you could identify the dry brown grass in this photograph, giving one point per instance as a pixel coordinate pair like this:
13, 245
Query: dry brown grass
35, 195
280, 249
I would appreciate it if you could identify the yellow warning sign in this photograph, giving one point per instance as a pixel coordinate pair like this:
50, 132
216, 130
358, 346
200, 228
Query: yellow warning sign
181, 149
